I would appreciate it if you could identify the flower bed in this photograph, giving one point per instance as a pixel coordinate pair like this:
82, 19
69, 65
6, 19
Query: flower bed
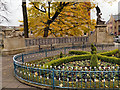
72, 69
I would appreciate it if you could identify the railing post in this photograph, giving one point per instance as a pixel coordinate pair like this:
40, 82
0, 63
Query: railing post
45, 53
102, 46
22, 58
53, 80
39, 47
64, 50
51, 47
72, 45
83, 47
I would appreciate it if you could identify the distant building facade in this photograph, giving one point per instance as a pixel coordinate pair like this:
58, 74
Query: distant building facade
113, 25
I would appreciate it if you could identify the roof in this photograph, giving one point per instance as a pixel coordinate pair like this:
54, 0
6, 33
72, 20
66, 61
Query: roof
116, 17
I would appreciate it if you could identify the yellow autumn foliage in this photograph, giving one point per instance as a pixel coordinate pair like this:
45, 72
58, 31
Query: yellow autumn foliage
73, 20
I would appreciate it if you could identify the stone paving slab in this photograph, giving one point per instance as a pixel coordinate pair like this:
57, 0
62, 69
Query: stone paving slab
8, 79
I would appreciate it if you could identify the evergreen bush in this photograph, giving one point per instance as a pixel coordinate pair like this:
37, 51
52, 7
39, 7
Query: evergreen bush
93, 49
119, 54
61, 55
94, 61
78, 52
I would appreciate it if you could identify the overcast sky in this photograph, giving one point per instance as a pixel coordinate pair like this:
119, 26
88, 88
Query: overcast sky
15, 9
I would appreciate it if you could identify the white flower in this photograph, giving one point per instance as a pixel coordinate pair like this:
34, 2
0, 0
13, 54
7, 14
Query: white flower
113, 67
76, 80
34, 75
104, 80
40, 76
72, 67
61, 85
113, 80
59, 67
67, 79
20, 71
67, 67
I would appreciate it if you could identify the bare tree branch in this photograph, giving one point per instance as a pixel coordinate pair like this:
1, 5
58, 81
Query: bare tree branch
39, 9
61, 6
3, 8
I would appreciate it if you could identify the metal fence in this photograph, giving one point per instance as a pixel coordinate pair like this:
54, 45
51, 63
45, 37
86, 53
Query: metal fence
108, 77
57, 40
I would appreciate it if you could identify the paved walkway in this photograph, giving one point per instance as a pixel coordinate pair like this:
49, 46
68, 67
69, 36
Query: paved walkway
8, 79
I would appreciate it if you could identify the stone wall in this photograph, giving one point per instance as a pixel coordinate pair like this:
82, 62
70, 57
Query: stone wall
14, 43
17, 45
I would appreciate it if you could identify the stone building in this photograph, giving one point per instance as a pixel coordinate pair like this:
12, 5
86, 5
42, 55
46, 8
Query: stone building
113, 25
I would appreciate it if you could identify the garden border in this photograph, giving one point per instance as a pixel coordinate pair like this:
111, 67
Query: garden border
17, 63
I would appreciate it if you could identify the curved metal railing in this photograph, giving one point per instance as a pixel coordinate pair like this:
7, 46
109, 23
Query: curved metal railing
56, 78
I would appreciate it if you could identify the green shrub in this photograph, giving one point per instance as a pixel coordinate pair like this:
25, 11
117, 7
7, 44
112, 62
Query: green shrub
94, 61
61, 55
110, 53
109, 59
119, 54
93, 49
78, 52
67, 59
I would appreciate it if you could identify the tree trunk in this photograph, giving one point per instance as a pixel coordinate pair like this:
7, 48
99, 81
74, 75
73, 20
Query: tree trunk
46, 31
25, 19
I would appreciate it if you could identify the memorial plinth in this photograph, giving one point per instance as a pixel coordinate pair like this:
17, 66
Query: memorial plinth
101, 36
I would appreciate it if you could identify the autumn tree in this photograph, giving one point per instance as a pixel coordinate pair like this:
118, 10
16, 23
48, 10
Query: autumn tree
60, 18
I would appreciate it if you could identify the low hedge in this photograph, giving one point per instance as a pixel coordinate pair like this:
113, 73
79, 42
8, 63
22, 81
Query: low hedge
109, 59
78, 52
67, 59
110, 53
